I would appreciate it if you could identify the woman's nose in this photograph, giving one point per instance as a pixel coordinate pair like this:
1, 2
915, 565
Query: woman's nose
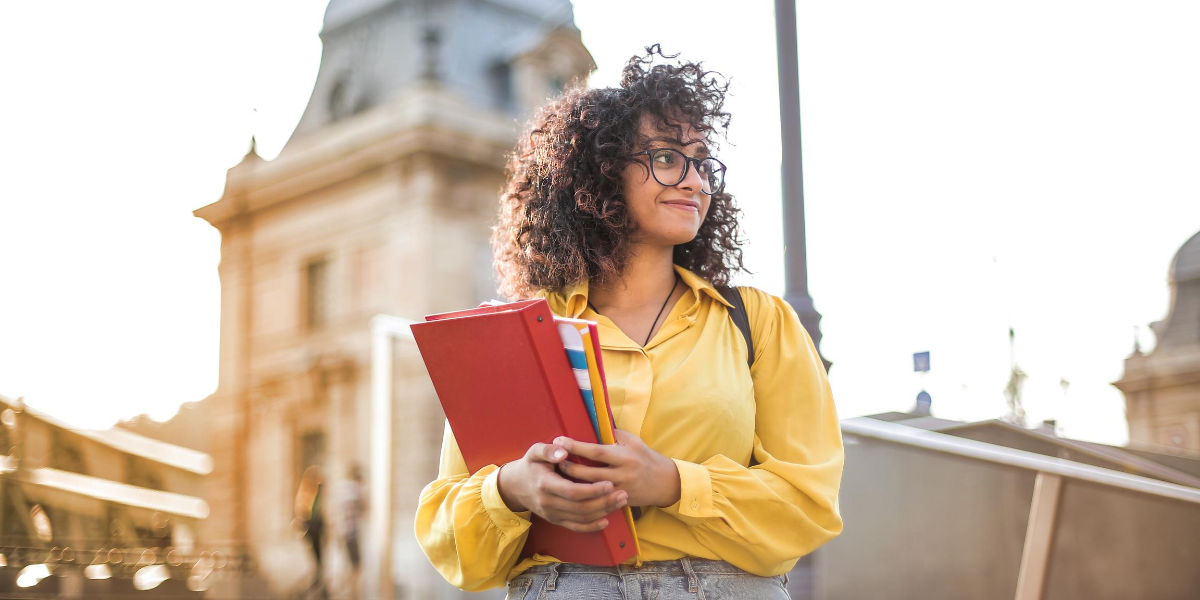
691, 180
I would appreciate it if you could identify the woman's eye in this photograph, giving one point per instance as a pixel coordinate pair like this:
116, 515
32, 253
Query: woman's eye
665, 158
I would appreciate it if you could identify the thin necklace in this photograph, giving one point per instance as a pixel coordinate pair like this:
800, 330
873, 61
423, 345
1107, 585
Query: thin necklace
674, 285
660, 310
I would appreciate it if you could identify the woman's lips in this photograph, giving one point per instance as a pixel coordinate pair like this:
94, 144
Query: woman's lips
682, 205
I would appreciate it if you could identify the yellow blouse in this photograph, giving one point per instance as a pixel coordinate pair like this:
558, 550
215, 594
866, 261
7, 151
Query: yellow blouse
759, 451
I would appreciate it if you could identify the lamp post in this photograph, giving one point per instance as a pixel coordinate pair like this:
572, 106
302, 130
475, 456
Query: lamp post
795, 258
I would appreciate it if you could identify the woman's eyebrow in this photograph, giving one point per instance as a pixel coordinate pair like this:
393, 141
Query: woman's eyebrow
703, 149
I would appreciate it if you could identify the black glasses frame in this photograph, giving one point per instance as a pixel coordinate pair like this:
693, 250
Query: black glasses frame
687, 164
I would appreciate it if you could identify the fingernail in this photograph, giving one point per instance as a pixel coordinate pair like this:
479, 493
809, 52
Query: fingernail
621, 503
603, 523
559, 454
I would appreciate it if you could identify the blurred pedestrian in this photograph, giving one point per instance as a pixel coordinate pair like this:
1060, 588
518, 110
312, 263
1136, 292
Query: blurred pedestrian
309, 515
351, 508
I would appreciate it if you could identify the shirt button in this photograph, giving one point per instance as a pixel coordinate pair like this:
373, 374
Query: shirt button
695, 506
515, 522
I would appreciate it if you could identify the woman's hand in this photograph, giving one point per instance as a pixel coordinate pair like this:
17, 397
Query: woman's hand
649, 478
532, 483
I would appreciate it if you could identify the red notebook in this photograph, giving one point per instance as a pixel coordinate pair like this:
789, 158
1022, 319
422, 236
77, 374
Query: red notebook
504, 381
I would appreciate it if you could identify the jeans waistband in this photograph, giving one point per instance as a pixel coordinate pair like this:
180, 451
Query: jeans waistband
668, 567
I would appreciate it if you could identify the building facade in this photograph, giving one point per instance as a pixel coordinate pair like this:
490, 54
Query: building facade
1162, 388
379, 204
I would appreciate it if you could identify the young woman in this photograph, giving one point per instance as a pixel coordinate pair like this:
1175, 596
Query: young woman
615, 211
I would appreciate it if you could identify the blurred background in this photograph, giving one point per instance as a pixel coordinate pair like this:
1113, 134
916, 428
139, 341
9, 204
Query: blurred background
205, 207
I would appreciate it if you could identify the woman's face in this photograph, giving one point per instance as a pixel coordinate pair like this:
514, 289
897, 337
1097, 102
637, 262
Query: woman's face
665, 216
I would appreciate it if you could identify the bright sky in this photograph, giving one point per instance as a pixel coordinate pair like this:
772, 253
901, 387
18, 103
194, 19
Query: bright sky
968, 167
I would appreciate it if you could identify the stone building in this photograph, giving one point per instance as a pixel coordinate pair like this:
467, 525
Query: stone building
379, 204
1162, 388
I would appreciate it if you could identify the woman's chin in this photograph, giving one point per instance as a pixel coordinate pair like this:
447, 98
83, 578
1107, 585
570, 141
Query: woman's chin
682, 239
665, 238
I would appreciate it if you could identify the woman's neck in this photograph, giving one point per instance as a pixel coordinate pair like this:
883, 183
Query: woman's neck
648, 276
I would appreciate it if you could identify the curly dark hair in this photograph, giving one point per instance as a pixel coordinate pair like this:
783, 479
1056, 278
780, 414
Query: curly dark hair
563, 217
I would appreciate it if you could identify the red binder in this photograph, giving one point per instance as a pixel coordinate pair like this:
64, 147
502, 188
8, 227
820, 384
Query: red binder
504, 382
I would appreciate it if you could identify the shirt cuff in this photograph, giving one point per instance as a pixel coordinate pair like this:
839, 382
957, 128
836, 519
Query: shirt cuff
695, 491
507, 521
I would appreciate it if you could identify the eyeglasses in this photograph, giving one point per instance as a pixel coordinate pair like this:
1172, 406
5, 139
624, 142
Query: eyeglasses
670, 166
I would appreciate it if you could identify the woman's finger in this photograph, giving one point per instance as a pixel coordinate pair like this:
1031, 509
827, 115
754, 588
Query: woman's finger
587, 527
625, 438
585, 511
574, 492
616, 501
606, 453
547, 453
567, 514
581, 513
586, 473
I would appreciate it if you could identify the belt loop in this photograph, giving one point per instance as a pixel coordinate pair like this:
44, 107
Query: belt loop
785, 579
693, 583
553, 581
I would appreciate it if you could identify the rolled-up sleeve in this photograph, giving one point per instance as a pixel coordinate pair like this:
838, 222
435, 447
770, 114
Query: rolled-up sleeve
463, 525
764, 516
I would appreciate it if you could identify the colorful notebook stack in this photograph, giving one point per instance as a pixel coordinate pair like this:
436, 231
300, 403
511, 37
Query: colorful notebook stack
506, 383
582, 343
577, 336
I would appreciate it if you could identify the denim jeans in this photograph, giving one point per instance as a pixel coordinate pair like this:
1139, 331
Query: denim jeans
686, 578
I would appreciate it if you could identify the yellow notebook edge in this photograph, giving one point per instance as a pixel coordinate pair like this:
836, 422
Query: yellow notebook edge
606, 432
601, 398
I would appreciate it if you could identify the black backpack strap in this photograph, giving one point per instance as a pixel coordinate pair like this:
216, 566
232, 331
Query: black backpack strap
740, 318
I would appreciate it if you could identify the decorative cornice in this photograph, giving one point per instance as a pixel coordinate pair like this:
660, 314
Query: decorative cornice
424, 120
1162, 369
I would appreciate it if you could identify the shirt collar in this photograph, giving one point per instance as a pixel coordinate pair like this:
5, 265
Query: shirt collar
572, 300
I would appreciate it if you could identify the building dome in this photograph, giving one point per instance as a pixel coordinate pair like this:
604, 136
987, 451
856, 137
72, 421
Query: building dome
1186, 265
374, 51
1182, 325
1162, 388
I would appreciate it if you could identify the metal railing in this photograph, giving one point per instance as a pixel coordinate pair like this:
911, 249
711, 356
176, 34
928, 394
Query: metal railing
1052, 475
941, 442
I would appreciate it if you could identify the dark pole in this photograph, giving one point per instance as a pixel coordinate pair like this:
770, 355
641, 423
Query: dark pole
795, 258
